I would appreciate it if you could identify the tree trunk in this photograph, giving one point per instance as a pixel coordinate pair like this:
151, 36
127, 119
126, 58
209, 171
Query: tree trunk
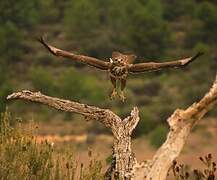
123, 154
124, 164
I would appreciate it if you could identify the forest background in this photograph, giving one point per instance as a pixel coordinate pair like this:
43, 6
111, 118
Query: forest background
154, 30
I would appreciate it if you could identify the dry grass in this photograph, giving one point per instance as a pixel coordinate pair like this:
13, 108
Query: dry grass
22, 157
28, 151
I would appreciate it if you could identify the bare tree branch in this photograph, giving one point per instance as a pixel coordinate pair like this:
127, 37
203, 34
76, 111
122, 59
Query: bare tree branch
123, 156
132, 120
105, 116
181, 123
126, 166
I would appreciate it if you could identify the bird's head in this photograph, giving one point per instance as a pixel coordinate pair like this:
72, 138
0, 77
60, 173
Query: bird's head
120, 59
117, 61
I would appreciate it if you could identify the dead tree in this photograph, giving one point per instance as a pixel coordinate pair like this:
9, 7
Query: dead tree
125, 164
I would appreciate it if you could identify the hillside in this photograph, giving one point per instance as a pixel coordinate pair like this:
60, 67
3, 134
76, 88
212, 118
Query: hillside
153, 30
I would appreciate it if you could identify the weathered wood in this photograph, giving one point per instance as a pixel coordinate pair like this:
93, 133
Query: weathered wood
181, 123
105, 116
125, 164
121, 129
125, 159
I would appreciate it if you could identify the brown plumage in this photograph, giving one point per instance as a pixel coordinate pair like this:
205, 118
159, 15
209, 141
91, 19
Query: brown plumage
119, 65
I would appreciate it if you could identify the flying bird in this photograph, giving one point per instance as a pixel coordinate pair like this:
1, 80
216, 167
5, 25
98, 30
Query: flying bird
119, 65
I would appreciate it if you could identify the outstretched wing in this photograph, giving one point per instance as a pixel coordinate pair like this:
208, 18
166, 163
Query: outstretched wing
79, 58
152, 66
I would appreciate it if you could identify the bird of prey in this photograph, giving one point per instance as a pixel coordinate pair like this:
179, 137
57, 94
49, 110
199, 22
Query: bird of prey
119, 65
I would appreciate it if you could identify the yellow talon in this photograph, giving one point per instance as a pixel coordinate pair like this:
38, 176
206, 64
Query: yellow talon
113, 94
122, 97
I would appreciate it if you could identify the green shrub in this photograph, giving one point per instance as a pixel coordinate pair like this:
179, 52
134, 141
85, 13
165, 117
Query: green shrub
158, 135
51, 15
22, 14
43, 81
74, 85
70, 84
146, 124
204, 25
10, 46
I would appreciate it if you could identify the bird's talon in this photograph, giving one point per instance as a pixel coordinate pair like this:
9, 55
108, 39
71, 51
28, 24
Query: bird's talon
122, 97
113, 94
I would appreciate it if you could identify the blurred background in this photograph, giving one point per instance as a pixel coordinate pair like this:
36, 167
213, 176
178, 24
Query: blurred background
154, 30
